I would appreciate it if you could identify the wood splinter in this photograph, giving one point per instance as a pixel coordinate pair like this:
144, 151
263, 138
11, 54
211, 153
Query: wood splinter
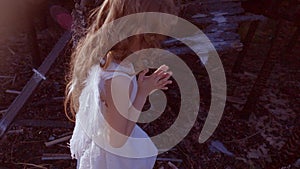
51, 143
13, 92
48, 156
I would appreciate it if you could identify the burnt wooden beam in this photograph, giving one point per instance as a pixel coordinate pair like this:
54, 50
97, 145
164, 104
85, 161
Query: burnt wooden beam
220, 46
292, 43
274, 9
33, 42
265, 72
44, 123
32, 84
59, 140
34, 10
250, 35
48, 156
228, 19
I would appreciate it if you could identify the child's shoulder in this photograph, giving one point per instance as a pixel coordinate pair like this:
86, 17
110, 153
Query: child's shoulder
124, 67
115, 69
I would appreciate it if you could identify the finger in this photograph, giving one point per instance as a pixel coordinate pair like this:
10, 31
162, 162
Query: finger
163, 80
164, 88
158, 74
142, 74
169, 73
164, 83
163, 68
166, 76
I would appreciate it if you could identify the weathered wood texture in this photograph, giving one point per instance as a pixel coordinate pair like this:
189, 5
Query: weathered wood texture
247, 42
290, 47
276, 10
56, 141
32, 40
281, 10
265, 72
32, 84
219, 20
44, 123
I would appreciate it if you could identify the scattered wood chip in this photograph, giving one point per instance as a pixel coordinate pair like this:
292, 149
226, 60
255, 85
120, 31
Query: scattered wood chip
172, 165
48, 156
13, 92
33, 165
45, 123
219, 147
3, 111
250, 75
237, 100
169, 159
51, 143
6, 77
20, 131
10, 50
58, 98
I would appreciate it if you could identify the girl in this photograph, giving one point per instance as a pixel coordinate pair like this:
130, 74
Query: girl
104, 96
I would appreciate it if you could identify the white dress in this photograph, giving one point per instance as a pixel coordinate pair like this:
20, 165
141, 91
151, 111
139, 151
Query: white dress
89, 140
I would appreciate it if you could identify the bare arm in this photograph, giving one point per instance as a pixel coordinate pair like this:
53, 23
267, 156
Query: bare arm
120, 115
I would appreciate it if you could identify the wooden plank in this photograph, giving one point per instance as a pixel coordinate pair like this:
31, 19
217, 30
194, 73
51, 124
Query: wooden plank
265, 72
56, 141
232, 27
224, 12
32, 84
45, 123
289, 48
221, 6
247, 42
6, 77
33, 43
221, 46
48, 156
217, 1
12, 92
3, 111
229, 19
275, 9
221, 40
169, 159
214, 37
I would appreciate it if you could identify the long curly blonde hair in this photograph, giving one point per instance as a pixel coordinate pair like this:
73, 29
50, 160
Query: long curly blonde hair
87, 54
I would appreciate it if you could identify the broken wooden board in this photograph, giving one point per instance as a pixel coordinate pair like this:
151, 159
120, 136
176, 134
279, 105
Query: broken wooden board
48, 156
220, 46
227, 19
59, 140
45, 123
219, 20
33, 83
